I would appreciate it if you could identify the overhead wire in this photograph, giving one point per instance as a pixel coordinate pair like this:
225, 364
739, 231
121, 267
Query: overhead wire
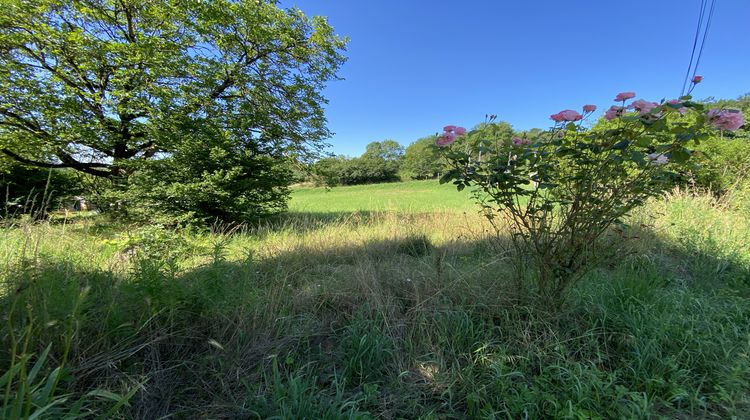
695, 60
705, 35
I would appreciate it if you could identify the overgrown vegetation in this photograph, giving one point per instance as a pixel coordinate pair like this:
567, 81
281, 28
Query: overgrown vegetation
724, 159
558, 196
381, 314
195, 289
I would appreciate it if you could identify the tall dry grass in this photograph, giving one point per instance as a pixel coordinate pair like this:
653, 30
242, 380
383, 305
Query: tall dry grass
382, 314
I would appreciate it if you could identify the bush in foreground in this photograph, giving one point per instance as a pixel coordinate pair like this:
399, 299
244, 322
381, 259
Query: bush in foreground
561, 193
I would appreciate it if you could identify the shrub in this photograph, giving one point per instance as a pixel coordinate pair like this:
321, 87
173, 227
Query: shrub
723, 164
205, 182
724, 158
560, 193
362, 170
421, 160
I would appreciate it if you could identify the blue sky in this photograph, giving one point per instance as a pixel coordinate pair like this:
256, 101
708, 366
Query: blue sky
415, 66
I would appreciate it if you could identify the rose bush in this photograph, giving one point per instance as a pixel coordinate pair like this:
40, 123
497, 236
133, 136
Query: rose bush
562, 192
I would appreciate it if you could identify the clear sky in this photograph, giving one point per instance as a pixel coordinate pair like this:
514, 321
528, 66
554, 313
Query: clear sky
415, 66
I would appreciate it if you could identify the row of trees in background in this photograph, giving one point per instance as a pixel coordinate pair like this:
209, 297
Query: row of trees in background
722, 161
380, 162
388, 161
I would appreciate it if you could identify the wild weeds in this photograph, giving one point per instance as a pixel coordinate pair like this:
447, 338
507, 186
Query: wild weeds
378, 315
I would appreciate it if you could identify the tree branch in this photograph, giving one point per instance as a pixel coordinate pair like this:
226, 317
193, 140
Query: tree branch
89, 168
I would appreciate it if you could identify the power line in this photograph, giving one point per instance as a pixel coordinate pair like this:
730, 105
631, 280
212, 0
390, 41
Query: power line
701, 17
705, 35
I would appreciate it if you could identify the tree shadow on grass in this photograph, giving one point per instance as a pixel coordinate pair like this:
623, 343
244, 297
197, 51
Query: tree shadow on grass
204, 342
195, 339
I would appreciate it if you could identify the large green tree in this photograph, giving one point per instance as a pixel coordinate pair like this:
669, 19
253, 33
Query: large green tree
380, 162
387, 150
422, 159
103, 86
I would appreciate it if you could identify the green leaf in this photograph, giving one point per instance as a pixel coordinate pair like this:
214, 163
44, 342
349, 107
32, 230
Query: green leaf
658, 125
680, 155
38, 365
684, 137
449, 175
643, 141
10, 374
620, 145
121, 401
638, 157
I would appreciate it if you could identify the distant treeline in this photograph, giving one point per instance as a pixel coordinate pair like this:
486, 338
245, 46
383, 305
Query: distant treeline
722, 161
389, 161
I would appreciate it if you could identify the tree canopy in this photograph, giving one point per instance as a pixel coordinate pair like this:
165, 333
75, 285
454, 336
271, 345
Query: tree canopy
201, 93
422, 159
388, 150
95, 85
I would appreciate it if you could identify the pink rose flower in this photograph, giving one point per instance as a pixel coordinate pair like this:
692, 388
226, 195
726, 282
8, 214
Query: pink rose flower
624, 96
566, 115
571, 115
517, 141
446, 139
697, 79
725, 119
451, 133
589, 108
557, 117
643, 107
614, 112
682, 110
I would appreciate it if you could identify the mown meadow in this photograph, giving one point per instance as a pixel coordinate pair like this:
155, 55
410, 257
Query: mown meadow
379, 301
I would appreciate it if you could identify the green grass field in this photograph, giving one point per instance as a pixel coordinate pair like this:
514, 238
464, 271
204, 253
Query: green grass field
381, 301
411, 197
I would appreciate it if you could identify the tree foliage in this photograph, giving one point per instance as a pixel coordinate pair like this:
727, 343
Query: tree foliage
493, 135
207, 181
104, 86
387, 150
422, 160
380, 162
